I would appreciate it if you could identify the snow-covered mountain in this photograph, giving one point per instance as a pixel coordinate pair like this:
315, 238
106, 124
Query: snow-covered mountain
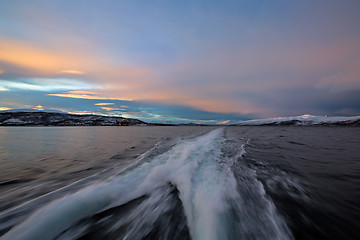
40, 118
304, 120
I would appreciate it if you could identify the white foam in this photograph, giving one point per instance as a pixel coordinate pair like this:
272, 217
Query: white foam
195, 166
60, 214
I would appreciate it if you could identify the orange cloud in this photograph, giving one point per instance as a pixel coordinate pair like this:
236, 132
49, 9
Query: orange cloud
68, 59
87, 96
36, 57
4, 108
1, 71
76, 72
112, 109
83, 112
103, 104
39, 107
116, 82
224, 122
81, 96
43, 61
185, 96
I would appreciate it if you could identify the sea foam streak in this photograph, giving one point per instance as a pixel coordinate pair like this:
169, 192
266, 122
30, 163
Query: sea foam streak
218, 204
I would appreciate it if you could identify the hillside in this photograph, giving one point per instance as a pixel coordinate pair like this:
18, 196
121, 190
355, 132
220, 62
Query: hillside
304, 120
59, 119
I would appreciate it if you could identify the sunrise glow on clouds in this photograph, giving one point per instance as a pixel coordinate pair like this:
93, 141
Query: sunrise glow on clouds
204, 61
103, 104
76, 72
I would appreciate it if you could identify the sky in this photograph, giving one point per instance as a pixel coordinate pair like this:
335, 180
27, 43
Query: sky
203, 61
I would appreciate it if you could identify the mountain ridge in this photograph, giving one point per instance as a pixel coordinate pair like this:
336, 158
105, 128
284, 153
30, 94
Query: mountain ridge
304, 120
41, 118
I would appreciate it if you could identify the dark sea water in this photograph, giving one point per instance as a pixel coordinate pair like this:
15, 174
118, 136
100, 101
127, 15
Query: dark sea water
195, 183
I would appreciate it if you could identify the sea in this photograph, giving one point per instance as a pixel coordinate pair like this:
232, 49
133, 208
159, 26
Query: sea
180, 182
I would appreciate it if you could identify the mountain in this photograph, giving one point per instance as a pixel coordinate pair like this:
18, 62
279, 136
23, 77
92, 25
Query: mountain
41, 118
304, 120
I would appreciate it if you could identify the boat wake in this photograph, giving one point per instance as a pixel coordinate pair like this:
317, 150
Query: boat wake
196, 189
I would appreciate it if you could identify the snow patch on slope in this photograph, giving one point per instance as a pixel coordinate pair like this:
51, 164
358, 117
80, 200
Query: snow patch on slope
301, 120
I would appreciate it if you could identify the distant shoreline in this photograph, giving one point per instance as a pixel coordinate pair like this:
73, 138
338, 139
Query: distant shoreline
55, 119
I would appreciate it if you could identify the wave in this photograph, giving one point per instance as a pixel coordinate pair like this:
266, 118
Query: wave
195, 188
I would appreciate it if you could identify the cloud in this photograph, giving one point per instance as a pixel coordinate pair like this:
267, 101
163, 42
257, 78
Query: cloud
44, 60
84, 112
94, 96
38, 58
274, 62
38, 107
112, 109
82, 92
40, 63
4, 108
45, 84
103, 104
223, 122
147, 111
76, 72
309, 100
